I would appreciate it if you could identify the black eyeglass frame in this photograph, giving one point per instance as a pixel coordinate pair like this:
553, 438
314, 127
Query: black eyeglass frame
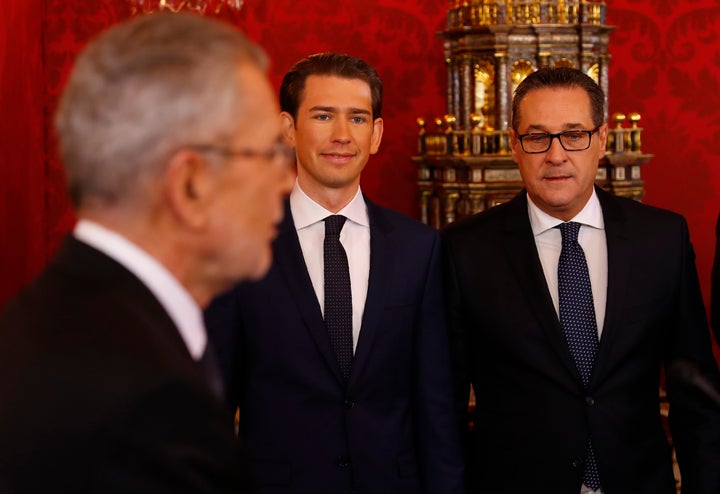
554, 136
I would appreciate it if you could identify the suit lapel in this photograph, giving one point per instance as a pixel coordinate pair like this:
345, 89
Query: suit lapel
619, 264
291, 265
519, 244
382, 256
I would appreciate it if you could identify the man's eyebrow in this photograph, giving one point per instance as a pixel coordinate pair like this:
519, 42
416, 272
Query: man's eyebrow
331, 109
566, 127
323, 108
361, 111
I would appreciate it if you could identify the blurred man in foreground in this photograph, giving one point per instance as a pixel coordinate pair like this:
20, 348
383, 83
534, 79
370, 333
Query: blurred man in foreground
169, 132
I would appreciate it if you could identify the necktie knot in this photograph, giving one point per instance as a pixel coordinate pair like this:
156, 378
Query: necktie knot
569, 231
334, 224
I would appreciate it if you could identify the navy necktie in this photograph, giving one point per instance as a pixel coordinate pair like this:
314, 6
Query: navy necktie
338, 296
577, 317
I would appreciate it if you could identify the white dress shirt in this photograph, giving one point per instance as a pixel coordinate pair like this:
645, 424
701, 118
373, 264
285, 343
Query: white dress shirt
592, 239
177, 302
309, 221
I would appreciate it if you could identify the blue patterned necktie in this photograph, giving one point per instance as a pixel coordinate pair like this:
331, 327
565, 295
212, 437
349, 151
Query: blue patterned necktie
577, 318
338, 296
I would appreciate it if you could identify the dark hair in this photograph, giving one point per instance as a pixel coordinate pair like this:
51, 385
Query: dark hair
328, 64
565, 77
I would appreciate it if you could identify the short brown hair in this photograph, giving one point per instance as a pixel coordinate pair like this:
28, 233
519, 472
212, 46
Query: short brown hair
330, 64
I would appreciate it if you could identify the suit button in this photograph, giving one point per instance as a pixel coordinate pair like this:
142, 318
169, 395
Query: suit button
343, 461
349, 404
589, 401
577, 463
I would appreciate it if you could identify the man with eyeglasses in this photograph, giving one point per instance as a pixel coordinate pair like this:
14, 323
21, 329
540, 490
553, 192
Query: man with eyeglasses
565, 304
338, 359
168, 130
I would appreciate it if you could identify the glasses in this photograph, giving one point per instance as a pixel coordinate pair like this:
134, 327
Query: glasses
570, 140
279, 154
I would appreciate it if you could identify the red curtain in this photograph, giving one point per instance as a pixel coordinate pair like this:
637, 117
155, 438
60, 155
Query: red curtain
665, 64
22, 143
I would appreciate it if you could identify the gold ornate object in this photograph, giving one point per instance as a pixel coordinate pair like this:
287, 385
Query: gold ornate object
422, 143
594, 72
634, 118
465, 163
520, 70
200, 6
618, 119
484, 91
635, 132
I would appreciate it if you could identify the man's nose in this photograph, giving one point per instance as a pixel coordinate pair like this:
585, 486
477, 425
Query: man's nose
341, 130
557, 152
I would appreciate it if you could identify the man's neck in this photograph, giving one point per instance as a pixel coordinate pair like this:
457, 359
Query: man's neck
332, 199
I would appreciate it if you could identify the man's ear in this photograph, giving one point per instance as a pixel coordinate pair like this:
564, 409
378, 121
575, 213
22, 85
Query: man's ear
188, 187
377, 134
287, 123
513, 141
602, 136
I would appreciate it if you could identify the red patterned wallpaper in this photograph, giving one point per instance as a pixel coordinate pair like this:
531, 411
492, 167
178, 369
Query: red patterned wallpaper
665, 64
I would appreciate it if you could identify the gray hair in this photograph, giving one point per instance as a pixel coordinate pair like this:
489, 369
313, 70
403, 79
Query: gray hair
141, 91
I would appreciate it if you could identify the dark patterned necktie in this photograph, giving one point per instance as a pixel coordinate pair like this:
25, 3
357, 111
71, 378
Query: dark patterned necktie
577, 317
338, 296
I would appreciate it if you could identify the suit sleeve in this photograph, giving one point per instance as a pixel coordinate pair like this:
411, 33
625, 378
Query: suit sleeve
459, 360
694, 419
440, 456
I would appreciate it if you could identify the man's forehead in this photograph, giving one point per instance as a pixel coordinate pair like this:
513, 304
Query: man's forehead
328, 83
569, 105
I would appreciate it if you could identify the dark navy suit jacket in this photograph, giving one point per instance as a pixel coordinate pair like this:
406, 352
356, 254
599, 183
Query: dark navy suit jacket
391, 428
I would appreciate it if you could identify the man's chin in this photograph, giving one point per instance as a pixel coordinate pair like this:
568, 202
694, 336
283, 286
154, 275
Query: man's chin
260, 269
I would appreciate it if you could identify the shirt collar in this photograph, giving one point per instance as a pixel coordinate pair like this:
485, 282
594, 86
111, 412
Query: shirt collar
306, 211
590, 215
177, 302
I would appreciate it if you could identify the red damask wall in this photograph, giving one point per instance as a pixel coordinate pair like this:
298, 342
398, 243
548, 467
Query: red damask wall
665, 64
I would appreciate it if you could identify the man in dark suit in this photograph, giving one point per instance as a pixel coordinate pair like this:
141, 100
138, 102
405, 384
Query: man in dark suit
715, 286
168, 131
567, 389
358, 405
